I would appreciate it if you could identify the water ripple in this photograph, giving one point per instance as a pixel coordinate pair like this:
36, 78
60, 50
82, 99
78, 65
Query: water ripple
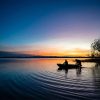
47, 85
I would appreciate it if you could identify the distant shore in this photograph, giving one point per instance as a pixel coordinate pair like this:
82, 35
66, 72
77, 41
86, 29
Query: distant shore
49, 57
92, 60
86, 59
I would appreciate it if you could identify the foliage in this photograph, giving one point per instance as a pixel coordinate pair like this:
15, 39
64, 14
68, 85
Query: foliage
95, 48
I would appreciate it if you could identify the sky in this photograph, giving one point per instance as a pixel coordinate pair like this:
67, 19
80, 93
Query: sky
49, 27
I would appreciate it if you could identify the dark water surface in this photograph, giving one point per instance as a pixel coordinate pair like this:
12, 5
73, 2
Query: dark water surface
39, 79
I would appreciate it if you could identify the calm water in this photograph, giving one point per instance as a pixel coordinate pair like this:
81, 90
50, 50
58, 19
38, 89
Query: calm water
40, 79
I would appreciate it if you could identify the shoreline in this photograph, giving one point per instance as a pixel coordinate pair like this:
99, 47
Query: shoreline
52, 57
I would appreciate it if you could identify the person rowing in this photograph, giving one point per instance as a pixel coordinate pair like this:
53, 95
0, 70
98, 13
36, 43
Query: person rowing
66, 62
78, 62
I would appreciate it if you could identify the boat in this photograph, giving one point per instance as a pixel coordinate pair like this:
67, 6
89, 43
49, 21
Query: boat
69, 66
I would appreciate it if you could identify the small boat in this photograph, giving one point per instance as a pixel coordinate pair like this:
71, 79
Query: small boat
69, 66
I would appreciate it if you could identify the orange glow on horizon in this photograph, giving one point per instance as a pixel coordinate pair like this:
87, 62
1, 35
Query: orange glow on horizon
55, 52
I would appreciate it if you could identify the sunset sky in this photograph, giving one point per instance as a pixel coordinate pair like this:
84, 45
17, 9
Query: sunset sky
49, 27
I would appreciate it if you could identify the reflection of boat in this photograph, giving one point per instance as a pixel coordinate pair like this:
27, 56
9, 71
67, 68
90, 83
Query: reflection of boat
69, 66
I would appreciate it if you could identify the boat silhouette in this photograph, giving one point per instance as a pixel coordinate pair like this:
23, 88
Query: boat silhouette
69, 66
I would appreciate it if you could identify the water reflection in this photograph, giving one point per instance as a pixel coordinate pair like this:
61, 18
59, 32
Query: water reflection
41, 79
78, 70
96, 78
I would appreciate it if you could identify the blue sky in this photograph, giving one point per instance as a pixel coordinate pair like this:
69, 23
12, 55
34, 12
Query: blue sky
38, 24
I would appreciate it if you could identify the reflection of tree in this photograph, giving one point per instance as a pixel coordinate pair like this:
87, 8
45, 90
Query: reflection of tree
96, 78
96, 70
97, 65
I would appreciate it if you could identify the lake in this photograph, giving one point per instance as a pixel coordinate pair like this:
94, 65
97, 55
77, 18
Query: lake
40, 79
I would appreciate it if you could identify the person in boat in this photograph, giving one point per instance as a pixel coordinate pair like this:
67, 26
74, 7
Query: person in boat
66, 62
78, 62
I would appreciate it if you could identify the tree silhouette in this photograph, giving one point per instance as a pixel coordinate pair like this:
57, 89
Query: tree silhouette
95, 48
